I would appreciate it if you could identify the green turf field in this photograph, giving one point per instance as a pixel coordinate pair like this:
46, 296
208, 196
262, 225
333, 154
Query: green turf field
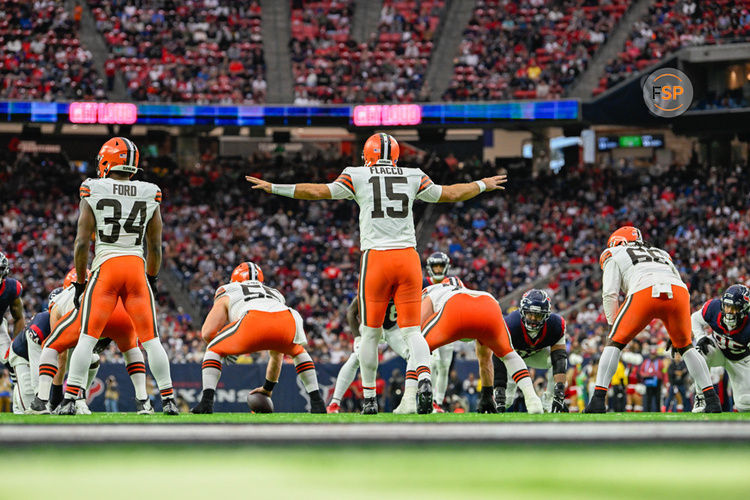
286, 418
379, 472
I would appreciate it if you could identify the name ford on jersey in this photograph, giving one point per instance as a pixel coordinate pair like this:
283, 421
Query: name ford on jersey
124, 190
386, 170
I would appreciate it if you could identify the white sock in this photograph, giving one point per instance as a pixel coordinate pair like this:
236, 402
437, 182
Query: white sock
519, 374
346, 376
47, 370
303, 363
159, 364
137, 371
607, 367
211, 371
368, 359
418, 350
441, 367
93, 369
80, 361
396, 341
697, 368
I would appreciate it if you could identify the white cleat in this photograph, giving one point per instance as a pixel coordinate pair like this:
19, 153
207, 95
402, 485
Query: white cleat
82, 408
700, 404
534, 405
408, 405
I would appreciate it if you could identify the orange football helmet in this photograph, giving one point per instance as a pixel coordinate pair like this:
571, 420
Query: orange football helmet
72, 277
247, 271
117, 154
625, 235
380, 149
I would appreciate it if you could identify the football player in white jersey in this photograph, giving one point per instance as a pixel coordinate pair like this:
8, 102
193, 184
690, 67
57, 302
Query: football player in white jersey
654, 290
248, 316
120, 213
390, 268
391, 336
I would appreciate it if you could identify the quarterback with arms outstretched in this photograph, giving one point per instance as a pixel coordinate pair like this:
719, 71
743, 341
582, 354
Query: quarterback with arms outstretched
654, 290
391, 268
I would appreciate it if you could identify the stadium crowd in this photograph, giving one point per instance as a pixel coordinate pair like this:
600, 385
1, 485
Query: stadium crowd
309, 250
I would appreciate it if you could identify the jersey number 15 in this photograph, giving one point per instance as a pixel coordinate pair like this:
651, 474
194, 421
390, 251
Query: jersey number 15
377, 211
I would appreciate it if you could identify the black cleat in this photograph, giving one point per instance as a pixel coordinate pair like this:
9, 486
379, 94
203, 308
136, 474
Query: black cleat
320, 407
203, 407
596, 405
370, 406
67, 407
500, 399
424, 396
169, 407
143, 407
38, 407
713, 405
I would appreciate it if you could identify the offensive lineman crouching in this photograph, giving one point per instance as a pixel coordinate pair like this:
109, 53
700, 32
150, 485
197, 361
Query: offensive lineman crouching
248, 316
538, 336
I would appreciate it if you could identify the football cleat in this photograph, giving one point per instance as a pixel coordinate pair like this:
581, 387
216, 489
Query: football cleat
596, 405
436, 408
143, 407
67, 407
38, 407
370, 406
203, 407
82, 408
713, 405
700, 404
500, 399
317, 406
534, 405
424, 396
408, 405
333, 408
169, 407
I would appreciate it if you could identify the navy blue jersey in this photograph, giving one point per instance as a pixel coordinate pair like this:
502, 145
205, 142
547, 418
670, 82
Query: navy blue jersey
733, 343
390, 316
10, 290
39, 330
526, 345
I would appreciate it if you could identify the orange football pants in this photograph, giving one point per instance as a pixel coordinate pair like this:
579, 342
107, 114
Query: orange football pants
467, 317
640, 308
258, 331
119, 328
386, 275
121, 278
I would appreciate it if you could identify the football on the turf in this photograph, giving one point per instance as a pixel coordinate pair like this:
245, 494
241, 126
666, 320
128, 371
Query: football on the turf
259, 403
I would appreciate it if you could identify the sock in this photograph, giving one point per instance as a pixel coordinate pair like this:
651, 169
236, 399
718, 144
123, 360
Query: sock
208, 396
315, 395
47, 370
56, 396
79, 364
306, 371
698, 369
368, 359
607, 367
159, 365
346, 377
93, 369
411, 379
441, 363
419, 350
520, 373
211, 371
137, 370
395, 340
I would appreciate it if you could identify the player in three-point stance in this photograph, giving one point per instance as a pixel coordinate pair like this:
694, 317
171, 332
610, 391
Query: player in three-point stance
721, 330
121, 213
248, 316
654, 290
390, 268
538, 336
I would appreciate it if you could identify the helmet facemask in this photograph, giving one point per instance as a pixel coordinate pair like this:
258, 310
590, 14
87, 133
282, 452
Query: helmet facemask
533, 319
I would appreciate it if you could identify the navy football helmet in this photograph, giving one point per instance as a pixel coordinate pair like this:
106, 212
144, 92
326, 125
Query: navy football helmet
4, 267
535, 309
438, 259
735, 305
52, 296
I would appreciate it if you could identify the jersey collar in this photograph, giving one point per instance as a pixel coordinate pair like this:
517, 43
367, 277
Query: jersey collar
2, 287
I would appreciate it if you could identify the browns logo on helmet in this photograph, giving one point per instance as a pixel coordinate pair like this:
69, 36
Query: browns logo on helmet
247, 271
380, 149
118, 154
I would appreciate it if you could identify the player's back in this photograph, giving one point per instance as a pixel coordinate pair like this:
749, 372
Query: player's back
385, 195
642, 266
441, 293
122, 209
250, 295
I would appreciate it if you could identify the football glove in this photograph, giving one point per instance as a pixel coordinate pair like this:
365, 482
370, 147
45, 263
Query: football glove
704, 345
102, 344
486, 401
79, 289
152, 282
231, 359
558, 401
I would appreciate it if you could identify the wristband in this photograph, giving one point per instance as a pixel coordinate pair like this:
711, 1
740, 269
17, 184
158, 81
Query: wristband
482, 186
283, 189
268, 385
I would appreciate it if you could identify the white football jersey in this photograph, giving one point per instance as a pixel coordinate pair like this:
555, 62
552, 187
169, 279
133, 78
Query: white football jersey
250, 295
632, 268
64, 301
122, 209
441, 293
385, 195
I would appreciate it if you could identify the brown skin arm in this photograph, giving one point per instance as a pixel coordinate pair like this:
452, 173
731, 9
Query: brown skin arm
16, 310
217, 317
306, 191
559, 377
273, 371
153, 244
465, 191
86, 227
427, 310
352, 317
486, 369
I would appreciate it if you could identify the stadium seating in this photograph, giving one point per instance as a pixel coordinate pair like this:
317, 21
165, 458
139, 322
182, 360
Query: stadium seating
529, 49
671, 25
202, 52
40, 54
